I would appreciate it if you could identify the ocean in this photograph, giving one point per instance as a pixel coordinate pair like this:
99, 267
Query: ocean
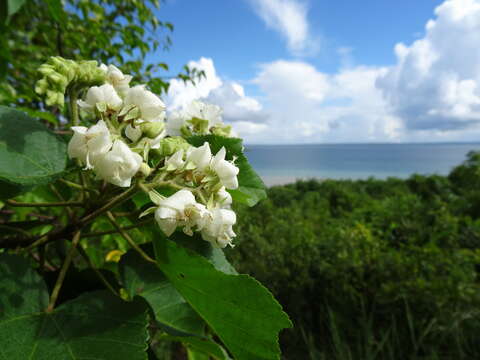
281, 164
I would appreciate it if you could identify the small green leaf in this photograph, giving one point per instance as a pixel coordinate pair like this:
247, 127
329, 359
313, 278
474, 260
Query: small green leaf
242, 312
30, 154
251, 187
205, 348
95, 325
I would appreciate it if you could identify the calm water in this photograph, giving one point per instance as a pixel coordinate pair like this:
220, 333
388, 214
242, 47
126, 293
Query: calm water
280, 164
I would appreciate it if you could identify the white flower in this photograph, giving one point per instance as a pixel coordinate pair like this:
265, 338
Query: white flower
224, 198
175, 161
88, 143
226, 171
119, 165
218, 227
180, 209
175, 122
150, 106
200, 110
116, 78
104, 94
197, 217
133, 133
200, 156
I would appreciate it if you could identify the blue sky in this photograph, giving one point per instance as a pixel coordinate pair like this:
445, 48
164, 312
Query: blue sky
299, 71
237, 39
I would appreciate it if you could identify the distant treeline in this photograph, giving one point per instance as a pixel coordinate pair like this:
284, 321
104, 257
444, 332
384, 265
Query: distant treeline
371, 269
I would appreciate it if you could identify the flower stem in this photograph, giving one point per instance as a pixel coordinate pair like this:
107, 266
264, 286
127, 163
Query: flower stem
112, 203
74, 107
63, 272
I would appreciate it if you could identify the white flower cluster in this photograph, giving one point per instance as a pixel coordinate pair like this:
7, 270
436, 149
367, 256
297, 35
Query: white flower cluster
197, 118
134, 137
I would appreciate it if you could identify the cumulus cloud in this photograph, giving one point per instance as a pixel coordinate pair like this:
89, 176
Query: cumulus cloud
289, 18
306, 105
301, 104
435, 84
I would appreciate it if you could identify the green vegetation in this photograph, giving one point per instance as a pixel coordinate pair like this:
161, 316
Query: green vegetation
371, 269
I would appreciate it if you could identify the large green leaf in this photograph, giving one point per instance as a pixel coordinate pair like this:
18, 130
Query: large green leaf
145, 279
242, 312
95, 325
30, 154
171, 310
213, 254
251, 188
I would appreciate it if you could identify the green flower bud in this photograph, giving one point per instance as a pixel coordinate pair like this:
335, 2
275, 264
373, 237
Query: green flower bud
224, 130
200, 126
152, 129
144, 170
59, 73
185, 131
171, 145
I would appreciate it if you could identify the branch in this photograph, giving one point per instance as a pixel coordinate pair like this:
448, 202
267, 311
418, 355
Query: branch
127, 237
43, 204
125, 228
63, 272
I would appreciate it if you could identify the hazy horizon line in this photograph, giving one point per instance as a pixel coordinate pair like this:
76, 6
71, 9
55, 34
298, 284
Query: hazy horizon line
372, 143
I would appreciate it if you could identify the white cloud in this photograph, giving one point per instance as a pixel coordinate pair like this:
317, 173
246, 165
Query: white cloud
302, 104
435, 84
181, 93
306, 105
289, 18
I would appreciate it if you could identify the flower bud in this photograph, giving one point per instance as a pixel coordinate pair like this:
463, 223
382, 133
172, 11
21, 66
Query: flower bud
225, 130
169, 146
152, 129
58, 73
144, 169
133, 133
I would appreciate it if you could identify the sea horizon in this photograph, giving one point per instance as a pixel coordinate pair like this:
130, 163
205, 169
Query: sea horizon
285, 163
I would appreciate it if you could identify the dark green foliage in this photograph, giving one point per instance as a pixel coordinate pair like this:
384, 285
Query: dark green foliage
374, 266
91, 326
110, 31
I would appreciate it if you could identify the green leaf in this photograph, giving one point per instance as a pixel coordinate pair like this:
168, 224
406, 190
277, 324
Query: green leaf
213, 254
171, 310
233, 146
251, 187
205, 348
95, 325
14, 6
9, 8
30, 154
55, 8
242, 312
146, 280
